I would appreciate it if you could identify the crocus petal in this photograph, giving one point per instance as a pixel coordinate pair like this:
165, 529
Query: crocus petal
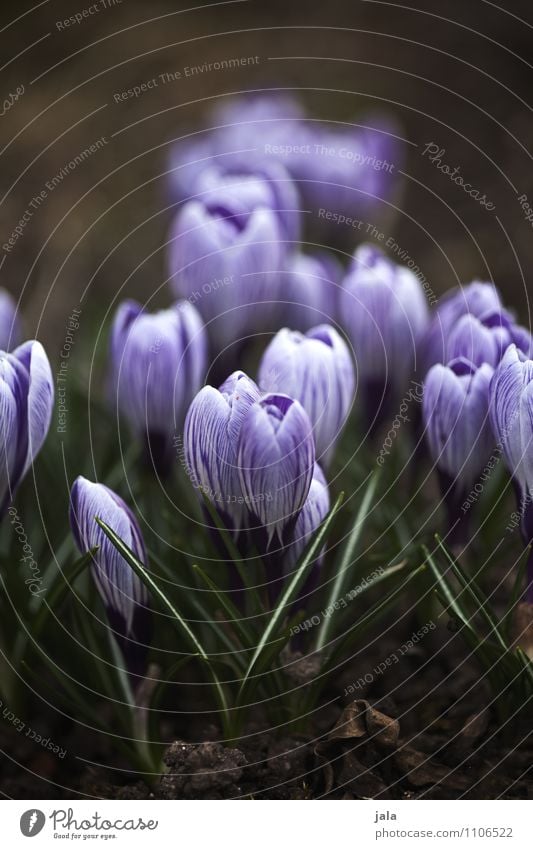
14, 426
510, 414
276, 458
385, 313
40, 396
456, 416
211, 434
312, 514
158, 363
224, 260
317, 370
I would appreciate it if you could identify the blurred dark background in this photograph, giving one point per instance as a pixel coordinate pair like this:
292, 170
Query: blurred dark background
457, 74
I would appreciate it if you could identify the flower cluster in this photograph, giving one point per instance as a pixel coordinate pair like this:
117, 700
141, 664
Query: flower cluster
338, 339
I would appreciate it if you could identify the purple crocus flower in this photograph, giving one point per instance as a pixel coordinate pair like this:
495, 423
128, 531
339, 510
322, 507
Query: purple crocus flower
10, 331
476, 299
27, 399
251, 185
308, 287
315, 509
276, 458
511, 411
158, 363
123, 593
455, 410
317, 370
225, 259
384, 311
211, 436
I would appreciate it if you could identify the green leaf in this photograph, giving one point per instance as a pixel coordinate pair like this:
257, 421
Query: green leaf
235, 617
481, 604
53, 598
241, 567
342, 571
182, 626
290, 591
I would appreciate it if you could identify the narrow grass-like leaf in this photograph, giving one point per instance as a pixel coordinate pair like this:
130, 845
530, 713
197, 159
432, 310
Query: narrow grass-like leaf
142, 573
290, 591
481, 604
342, 571
54, 597
233, 551
235, 618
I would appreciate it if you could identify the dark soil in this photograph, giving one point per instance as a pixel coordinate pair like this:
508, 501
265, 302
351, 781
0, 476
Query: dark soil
422, 730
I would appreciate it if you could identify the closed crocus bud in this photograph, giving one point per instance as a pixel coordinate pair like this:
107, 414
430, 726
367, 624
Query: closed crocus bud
276, 459
383, 308
455, 409
312, 514
308, 287
511, 396
254, 184
511, 406
317, 370
477, 299
27, 399
158, 364
485, 339
123, 593
10, 332
225, 260
211, 436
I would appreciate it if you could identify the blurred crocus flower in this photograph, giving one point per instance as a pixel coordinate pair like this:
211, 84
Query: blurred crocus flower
27, 399
10, 331
312, 514
476, 299
251, 185
225, 259
123, 593
317, 370
276, 459
211, 435
262, 126
455, 409
308, 289
384, 311
349, 169
158, 363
